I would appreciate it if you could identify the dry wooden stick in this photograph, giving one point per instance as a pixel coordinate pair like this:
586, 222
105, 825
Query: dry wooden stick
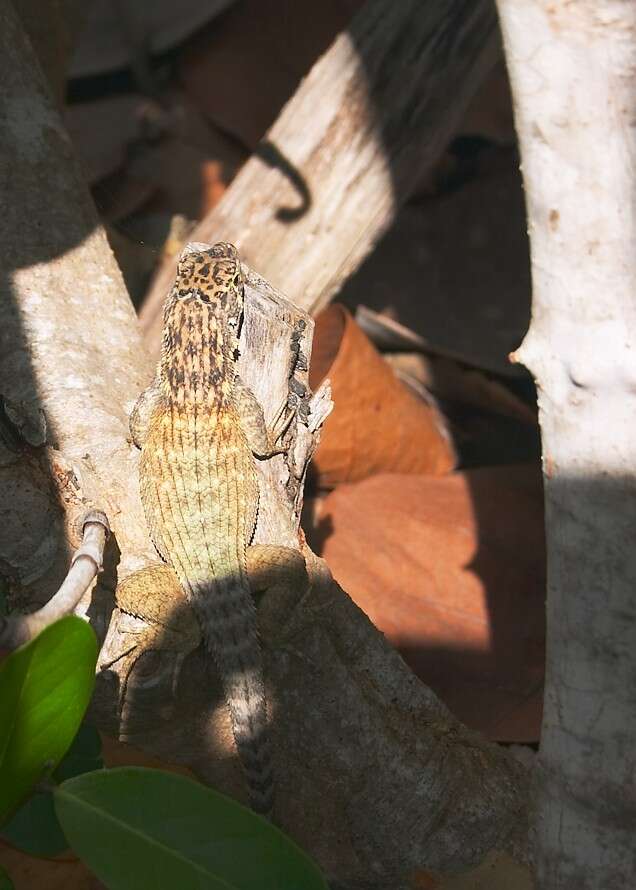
373, 114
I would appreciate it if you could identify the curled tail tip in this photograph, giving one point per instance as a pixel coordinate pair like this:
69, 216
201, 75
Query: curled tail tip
261, 790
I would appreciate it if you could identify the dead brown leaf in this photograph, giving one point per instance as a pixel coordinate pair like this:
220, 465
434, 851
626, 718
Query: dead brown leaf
451, 569
378, 425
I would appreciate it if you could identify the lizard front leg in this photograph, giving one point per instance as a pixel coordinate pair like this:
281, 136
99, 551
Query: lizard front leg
148, 401
261, 439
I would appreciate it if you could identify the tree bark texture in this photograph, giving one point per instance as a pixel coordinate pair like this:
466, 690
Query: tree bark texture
71, 356
374, 113
574, 83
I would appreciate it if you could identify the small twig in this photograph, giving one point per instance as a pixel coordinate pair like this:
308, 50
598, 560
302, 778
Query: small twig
86, 563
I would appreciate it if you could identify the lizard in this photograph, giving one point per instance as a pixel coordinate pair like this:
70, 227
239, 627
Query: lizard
199, 428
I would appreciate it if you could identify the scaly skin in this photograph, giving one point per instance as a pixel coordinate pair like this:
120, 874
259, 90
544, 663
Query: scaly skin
200, 491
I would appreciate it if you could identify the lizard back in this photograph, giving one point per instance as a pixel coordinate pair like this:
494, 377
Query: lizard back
200, 490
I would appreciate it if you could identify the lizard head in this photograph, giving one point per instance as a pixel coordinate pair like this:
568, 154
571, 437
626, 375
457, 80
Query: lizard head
212, 277
201, 323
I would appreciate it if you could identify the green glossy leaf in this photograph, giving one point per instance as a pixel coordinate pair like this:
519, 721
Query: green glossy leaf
140, 828
5, 881
34, 827
84, 755
45, 687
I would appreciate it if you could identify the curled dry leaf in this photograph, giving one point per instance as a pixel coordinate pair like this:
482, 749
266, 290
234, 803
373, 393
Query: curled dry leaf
452, 570
451, 380
378, 425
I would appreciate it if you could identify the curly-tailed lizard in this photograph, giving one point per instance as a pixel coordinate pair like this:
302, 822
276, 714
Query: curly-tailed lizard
199, 428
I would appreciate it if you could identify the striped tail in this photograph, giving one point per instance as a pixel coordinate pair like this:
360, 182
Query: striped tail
228, 617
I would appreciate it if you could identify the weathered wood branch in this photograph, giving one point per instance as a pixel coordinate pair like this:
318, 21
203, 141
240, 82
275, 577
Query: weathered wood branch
375, 776
573, 82
375, 112
71, 356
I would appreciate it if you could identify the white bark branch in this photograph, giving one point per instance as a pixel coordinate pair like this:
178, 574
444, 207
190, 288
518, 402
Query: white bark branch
574, 86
